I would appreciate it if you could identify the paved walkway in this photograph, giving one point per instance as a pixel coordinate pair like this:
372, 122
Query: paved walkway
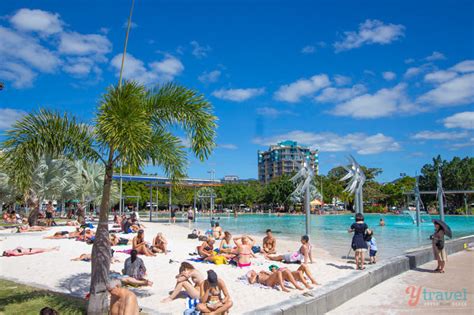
436, 292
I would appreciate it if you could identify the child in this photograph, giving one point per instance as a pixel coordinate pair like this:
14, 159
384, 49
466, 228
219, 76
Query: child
371, 243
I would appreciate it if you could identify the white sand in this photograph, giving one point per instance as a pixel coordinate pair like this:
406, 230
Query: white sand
56, 272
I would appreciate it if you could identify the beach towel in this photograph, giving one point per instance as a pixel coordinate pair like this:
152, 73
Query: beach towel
125, 251
191, 307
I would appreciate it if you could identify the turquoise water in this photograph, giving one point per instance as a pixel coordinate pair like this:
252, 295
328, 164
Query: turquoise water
330, 231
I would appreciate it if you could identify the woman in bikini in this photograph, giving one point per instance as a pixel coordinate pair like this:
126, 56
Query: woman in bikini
188, 279
302, 255
268, 279
21, 251
226, 246
140, 245
298, 275
115, 240
159, 244
244, 250
206, 249
214, 298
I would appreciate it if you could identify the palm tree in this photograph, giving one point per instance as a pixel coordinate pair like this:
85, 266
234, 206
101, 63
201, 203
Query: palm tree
133, 126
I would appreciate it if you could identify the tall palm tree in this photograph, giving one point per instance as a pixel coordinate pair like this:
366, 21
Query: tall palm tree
133, 126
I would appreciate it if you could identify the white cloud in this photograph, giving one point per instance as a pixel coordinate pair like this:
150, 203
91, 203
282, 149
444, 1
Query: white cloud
370, 32
293, 92
238, 95
409, 60
463, 120
16, 46
8, 116
332, 142
156, 72
310, 49
336, 95
342, 80
440, 76
384, 102
73, 43
210, 77
43, 22
132, 24
273, 112
389, 75
20, 75
228, 146
464, 66
458, 91
439, 135
198, 50
436, 55
412, 71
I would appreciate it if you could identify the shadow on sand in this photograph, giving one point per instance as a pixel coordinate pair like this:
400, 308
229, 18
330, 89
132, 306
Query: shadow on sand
340, 266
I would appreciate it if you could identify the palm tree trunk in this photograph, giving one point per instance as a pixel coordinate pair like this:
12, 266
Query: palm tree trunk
99, 301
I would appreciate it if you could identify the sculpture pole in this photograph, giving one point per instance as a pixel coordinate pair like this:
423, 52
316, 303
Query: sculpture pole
417, 198
439, 184
307, 205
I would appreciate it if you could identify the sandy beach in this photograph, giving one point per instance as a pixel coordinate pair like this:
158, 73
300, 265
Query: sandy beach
56, 271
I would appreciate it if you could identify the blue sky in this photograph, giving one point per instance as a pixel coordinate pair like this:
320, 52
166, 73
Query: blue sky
391, 82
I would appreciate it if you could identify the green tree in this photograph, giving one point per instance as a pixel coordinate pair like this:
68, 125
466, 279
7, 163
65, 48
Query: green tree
132, 126
278, 191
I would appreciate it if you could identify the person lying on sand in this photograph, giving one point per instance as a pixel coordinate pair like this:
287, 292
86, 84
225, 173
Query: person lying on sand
135, 269
188, 279
72, 223
159, 244
21, 251
88, 258
115, 240
140, 245
298, 275
35, 228
215, 298
206, 249
58, 235
122, 300
269, 243
86, 236
269, 279
302, 255
244, 250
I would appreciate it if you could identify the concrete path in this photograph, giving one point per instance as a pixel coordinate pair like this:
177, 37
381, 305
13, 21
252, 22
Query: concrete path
427, 292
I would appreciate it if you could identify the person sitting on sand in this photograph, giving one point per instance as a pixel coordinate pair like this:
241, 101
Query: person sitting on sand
21, 251
135, 271
159, 244
226, 247
206, 249
269, 279
115, 240
298, 275
188, 279
244, 250
140, 245
302, 255
217, 232
269, 243
122, 300
215, 298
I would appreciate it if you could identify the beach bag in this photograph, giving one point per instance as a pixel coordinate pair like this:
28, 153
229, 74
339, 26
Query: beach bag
193, 236
219, 260
256, 249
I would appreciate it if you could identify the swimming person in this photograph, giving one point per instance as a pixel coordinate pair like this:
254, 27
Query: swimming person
217, 232
122, 300
214, 296
439, 252
134, 268
159, 244
381, 222
188, 279
140, 245
358, 240
206, 249
21, 251
302, 255
269, 243
372, 245
244, 250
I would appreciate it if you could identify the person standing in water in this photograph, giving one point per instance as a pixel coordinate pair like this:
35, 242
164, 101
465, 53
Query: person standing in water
359, 244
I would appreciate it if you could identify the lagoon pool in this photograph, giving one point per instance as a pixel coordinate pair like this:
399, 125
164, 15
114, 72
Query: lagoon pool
330, 231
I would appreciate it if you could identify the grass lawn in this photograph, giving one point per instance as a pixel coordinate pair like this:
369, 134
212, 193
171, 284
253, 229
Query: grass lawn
22, 299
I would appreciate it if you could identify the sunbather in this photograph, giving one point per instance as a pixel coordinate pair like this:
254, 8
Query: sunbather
159, 244
298, 275
206, 249
140, 245
135, 271
21, 251
188, 279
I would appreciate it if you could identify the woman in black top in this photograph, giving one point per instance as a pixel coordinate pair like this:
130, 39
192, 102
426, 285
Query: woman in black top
359, 244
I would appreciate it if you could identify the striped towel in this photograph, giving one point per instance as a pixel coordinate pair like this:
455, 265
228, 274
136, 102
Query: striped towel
191, 306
